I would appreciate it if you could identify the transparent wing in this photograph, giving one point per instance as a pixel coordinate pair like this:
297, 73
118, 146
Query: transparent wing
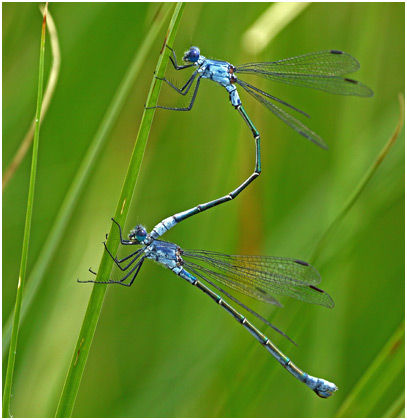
280, 101
324, 63
319, 70
196, 272
291, 121
261, 277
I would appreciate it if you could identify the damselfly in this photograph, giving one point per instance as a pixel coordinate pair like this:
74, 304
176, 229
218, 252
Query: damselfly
320, 70
255, 276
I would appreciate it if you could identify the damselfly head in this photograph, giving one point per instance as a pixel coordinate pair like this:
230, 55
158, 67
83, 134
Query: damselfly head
192, 55
139, 233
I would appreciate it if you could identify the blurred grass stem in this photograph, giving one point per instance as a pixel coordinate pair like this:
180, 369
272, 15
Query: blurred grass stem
362, 184
86, 334
379, 376
269, 24
49, 92
85, 171
27, 230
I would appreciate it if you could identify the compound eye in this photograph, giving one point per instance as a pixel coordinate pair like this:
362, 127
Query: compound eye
139, 233
194, 54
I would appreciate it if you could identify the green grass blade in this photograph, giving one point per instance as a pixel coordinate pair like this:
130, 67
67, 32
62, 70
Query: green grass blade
27, 230
48, 94
86, 334
397, 409
262, 32
378, 378
82, 175
361, 186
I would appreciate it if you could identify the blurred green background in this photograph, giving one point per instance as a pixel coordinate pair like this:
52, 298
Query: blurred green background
163, 349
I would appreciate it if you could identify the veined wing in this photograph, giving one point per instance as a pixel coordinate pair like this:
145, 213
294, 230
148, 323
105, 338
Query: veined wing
274, 98
261, 277
318, 70
197, 271
295, 124
228, 280
323, 63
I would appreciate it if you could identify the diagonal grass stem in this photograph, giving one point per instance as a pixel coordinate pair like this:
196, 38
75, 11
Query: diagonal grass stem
86, 334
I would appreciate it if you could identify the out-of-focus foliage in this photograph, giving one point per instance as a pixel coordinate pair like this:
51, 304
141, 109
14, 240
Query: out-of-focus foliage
161, 347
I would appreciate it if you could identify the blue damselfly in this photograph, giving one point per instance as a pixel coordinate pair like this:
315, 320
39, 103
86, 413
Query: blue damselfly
319, 70
256, 276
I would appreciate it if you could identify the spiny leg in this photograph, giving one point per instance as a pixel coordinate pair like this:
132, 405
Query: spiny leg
103, 282
138, 265
122, 241
189, 107
125, 258
136, 255
185, 89
135, 269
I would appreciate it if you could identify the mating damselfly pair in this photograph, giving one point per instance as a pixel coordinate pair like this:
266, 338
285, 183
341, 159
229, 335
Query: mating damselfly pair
255, 276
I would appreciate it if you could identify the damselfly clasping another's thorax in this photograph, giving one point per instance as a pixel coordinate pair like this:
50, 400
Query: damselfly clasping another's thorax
322, 70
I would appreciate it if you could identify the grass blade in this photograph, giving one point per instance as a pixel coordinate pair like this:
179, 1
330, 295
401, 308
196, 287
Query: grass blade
362, 184
49, 93
378, 378
259, 35
397, 409
27, 230
86, 334
82, 175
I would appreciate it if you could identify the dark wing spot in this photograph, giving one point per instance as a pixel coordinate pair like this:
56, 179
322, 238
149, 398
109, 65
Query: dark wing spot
316, 288
262, 291
351, 81
336, 52
302, 262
